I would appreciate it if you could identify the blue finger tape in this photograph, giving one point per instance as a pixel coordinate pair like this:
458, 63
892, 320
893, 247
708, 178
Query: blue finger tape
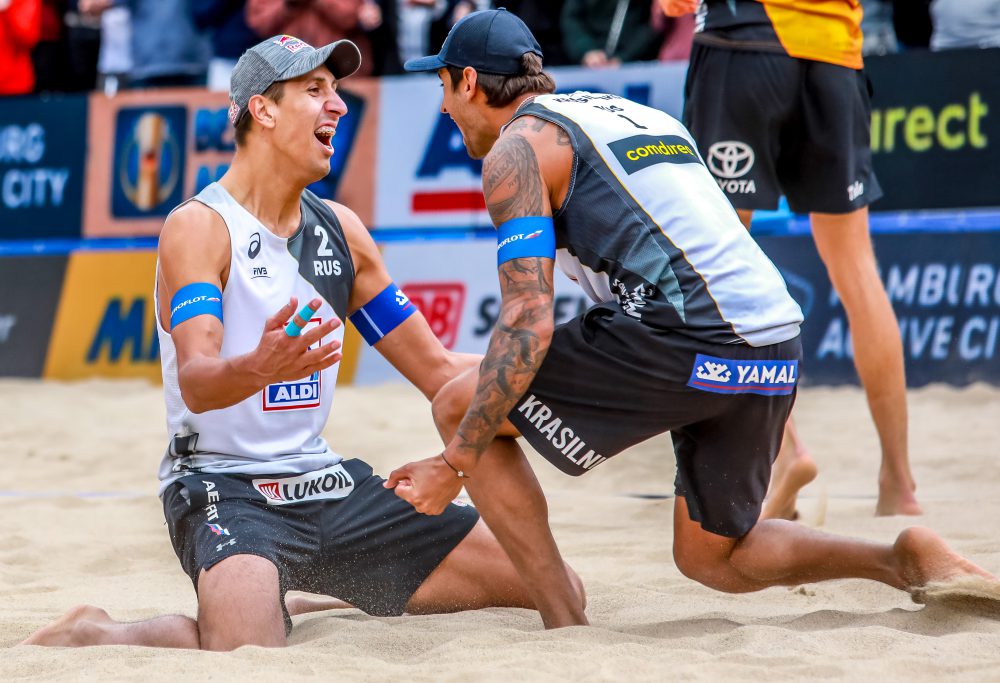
306, 314
526, 236
197, 298
383, 314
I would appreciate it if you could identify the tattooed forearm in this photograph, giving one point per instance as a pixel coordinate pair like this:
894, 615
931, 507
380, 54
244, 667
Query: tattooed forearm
517, 348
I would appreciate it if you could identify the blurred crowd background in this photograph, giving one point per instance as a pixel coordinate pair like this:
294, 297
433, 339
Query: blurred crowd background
82, 45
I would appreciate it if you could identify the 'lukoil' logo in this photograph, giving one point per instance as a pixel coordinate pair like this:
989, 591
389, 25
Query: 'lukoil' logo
332, 483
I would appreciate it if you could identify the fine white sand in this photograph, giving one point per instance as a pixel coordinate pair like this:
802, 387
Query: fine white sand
80, 523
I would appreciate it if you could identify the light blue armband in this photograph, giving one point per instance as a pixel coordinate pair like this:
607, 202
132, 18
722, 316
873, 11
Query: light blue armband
526, 236
306, 314
197, 298
383, 314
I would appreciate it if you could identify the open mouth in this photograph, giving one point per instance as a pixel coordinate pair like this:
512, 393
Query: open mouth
325, 135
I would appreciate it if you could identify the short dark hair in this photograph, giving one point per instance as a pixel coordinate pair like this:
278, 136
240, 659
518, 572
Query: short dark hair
501, 90
274, 92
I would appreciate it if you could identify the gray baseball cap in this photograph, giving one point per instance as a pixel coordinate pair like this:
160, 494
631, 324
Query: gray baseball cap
281, 58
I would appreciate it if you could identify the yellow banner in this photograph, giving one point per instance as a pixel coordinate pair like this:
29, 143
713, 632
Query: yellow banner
105, 324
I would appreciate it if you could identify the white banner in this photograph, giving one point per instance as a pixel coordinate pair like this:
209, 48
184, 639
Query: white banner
454, 283
425, 176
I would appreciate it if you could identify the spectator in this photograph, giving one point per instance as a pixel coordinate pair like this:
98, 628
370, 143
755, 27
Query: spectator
543, 17
600, 33
876, 24
381, 19
317, 22
50, 56
678, 34
422, 23
965, 23
912, 22
167, 49
20, 28
114, 62
225, 21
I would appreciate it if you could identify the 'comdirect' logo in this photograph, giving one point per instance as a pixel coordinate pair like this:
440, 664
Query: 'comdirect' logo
730, 158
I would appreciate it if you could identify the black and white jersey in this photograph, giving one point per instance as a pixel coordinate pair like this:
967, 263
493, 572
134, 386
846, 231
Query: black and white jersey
645, 224
277, 430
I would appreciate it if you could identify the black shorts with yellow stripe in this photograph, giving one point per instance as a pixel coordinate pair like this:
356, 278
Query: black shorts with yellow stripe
769, 125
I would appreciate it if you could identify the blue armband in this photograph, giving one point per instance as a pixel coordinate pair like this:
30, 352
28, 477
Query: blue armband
197, 298
383, 314
527, 236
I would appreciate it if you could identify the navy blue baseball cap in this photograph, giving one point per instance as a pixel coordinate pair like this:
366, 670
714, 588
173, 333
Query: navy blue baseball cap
491, 41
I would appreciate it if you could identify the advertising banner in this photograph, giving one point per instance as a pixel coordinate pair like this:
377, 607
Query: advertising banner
454, 284
425, 176
42, 147
29, 293
101, 315
151, 150
105, 325
945, 289
936, 128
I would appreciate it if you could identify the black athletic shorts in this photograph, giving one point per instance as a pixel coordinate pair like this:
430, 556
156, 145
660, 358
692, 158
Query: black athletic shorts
336, 532
769, 124
609, 382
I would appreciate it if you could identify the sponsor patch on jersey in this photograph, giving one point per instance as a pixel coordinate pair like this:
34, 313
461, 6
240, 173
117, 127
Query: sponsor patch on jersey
728, 376
332, 483
299, 394
641, 151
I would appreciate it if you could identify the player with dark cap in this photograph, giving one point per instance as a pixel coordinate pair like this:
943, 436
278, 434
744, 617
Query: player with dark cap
255, 500
692, 332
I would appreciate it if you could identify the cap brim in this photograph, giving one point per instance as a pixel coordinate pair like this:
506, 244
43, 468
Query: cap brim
342, 58
429, 63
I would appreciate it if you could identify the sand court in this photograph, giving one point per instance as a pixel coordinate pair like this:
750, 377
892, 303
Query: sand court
82, 524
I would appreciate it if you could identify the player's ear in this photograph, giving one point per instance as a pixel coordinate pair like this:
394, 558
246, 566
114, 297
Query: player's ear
470, 78
262, 110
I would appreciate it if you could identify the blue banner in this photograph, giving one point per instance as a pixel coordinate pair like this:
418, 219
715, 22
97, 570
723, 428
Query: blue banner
944, 287
42, 146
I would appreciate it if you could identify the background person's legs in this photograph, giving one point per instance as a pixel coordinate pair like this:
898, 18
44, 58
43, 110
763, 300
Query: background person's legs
792, 470
794, 467
844, 244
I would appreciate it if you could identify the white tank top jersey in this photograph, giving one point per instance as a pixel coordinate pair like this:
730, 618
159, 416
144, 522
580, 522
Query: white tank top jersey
277, 430
645, 225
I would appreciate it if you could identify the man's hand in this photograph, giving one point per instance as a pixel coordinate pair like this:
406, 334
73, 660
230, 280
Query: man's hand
428, 485
282, 358
678, 8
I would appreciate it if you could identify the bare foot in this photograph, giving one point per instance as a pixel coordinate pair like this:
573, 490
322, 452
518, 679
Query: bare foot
303, 603
897, 499
784, 491
924, 558
79, 627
